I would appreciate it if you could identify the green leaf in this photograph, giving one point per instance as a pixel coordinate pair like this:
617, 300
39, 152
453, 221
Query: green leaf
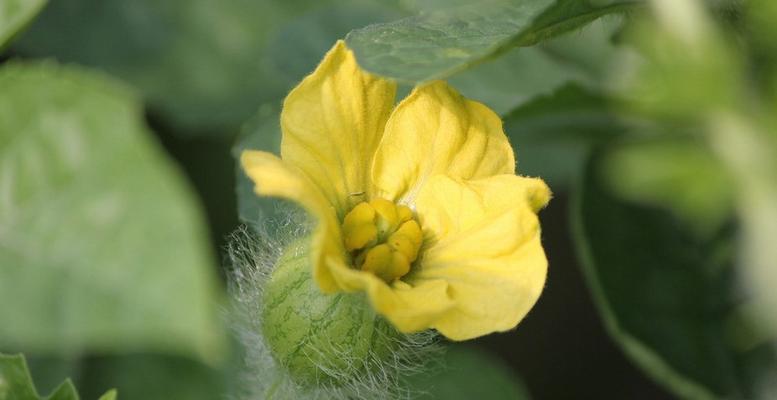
514, 79
437, 44
204, 66
676, 172
552, 134
593, 49
16, 383
262, 132
689, 66
667, 296
102, 244
110, 395
14, 17
152, 377
465, 374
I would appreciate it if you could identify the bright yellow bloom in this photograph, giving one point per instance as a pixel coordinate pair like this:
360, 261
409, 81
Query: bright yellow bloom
419, 207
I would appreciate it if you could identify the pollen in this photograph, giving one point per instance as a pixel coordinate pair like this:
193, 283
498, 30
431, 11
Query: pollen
383, 238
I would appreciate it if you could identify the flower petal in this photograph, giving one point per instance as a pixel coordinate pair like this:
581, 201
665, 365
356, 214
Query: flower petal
409, 308
437, 131
332, 123
483, 239
273, 177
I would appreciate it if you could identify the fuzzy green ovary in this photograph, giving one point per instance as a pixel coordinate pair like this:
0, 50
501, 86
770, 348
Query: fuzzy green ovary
318, 338
383, 238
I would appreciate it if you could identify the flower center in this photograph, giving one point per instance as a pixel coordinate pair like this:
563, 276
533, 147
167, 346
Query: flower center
383, 238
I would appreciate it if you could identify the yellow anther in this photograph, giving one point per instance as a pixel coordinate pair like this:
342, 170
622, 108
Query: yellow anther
361, 214
405, 213
407, 240
383, 238
360, 237
378, 261
388, 219
385, 263
359, 227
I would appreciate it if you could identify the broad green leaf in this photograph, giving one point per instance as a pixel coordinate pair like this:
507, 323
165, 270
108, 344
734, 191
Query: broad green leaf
677, 172
467, 373
262, 132
102, 244
14, 17
551, 134
204, 66
668, 297
299, 45
437, 44
514, 79
152, 377
593, 49
16, 383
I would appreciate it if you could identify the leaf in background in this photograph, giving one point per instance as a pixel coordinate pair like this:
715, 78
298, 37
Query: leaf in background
689, 67
695, 74
152, 377
552, 134
204, 66
16, 383
593, 49
102, 244
762, 35
514, 79
262, 132
669, 298
437, 44
676, 172
299, 45
14, 17
468, 374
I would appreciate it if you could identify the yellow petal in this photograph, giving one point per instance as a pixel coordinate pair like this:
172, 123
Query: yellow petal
409, 308
273, 177
484, 241
332, 123
437, 131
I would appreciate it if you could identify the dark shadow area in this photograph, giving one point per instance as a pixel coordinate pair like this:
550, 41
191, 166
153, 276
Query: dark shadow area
207, 162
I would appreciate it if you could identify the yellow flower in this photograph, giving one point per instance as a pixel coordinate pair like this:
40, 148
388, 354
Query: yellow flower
419, 207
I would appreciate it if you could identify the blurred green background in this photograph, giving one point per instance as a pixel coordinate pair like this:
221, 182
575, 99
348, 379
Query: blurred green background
652, 121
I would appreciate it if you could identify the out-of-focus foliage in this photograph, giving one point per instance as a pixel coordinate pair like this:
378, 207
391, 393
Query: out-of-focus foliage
668, 296
673, 287
153, 377
678, 172
16, 383
205, 66
465, 374
261, 132
15, 15
102, 247
439, 43
515, 78
553, 133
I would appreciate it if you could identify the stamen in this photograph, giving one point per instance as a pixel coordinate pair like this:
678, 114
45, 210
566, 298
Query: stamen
383, 238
